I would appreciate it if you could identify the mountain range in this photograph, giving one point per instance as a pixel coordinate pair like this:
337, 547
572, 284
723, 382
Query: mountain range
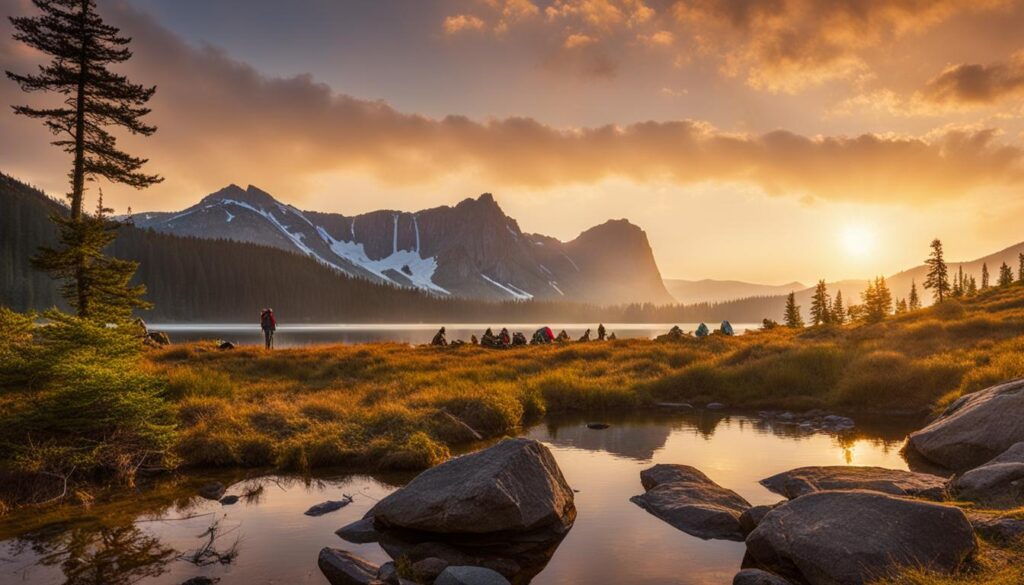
717, 291
470, 250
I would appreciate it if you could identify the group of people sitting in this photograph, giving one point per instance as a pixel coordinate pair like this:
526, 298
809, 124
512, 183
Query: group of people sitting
505, 339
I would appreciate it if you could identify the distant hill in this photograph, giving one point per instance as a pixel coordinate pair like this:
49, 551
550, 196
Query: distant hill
472, 250
717, 291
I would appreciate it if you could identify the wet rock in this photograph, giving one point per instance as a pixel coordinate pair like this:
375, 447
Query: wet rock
212, 491
804, 480
429, 568
328, 506
690, 501
201, 581
998, 483
158, 338
676, 405
388, 573
470, 576
752, 516
715, 406
514, 486
757, 577
999, 528
974, 429
359, 532
229, 500
344, 568
597, 426
852, 537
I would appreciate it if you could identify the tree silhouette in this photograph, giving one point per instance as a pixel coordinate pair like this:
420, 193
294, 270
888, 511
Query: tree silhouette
1005, 275
984, 276
1020, 267
913, 301
938, 273
821, 305
838, 310
82, 48
792, 315
877, 301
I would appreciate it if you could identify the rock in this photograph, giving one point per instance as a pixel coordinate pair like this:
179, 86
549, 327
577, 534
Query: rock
787, 417
974, 429
852, 537
757, 577
678, 405
688, 500
229, 500
212, 491
715, 406
998, 483
804, 480
328, 506
344, 568
470, 576
429, 568
998, 528
598, 426
359, 532
514, 486
158, 338
388, 573
752, 516
225, 345
201, 581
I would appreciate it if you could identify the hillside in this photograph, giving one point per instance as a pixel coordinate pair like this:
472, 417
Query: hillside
470, 250
717, 291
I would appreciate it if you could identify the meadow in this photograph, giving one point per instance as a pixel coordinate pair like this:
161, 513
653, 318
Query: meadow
386, 406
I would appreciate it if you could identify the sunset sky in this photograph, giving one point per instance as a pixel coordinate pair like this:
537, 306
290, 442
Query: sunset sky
766, 141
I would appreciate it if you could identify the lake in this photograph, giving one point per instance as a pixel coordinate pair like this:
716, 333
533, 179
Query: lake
415, 333
147, 539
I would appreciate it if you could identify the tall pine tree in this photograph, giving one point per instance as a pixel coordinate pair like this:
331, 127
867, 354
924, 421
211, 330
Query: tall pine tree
913, 301
82, 48
938, 273
1005, 275
984, 276
792, 316
821, 305
838, 310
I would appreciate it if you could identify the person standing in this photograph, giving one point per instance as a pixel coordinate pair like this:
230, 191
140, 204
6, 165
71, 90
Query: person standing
269, 324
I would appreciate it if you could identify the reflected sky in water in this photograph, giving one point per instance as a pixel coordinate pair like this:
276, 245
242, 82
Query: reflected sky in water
613, 541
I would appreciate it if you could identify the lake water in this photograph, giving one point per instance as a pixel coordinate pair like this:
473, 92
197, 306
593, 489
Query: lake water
612, 542
416, 333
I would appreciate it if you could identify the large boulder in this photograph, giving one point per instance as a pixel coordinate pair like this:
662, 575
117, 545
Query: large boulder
804, 480
514, 486
690, 501
344, 568
1006, 529
974, 429
757, 577
854, 537
998, 483
470, 576
752, 516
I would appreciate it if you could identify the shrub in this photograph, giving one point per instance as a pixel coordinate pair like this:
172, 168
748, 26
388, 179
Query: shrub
189, 382
419, 451
949, 310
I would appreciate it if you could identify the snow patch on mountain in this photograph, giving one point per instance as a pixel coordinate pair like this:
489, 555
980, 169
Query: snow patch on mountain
420, 271
514, 292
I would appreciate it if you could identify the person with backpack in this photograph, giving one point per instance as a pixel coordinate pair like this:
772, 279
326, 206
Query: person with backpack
269, 324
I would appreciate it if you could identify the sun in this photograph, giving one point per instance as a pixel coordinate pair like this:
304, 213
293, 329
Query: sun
857, 240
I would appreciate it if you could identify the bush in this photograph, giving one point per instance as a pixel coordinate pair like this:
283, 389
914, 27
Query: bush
91, 408
949, 310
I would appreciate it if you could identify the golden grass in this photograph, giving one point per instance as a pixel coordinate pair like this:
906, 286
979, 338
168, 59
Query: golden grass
379, 405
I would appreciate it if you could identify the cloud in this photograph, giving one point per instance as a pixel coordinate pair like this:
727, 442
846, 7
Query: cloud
221, 120
977, 85
577, 40
661, 38
462, 22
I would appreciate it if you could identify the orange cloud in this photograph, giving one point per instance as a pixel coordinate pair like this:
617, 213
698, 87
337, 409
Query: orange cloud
974, 85
221, 120
577, 40
462, 22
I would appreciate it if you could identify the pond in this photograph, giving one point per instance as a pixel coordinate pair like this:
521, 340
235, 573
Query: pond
265, 538
294, 335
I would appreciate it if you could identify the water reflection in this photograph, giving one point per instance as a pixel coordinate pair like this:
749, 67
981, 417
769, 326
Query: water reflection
148, 538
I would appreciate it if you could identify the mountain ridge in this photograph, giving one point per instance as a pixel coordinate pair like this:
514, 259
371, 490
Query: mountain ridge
472, 249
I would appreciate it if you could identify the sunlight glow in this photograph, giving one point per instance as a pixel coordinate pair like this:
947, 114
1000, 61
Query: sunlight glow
857, 240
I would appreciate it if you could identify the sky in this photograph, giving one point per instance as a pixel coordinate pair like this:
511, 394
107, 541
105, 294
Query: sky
764, 141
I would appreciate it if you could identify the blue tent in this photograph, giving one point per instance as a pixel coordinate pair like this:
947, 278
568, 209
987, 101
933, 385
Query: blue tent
727, 328
702, 331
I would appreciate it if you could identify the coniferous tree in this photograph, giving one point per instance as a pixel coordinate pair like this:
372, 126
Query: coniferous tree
901, 306
82, 48
1005, 275
938, 273
877, 300
838, 310
914, 301
1020, 267
972, 286
984, 276
821, 305
792, 315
